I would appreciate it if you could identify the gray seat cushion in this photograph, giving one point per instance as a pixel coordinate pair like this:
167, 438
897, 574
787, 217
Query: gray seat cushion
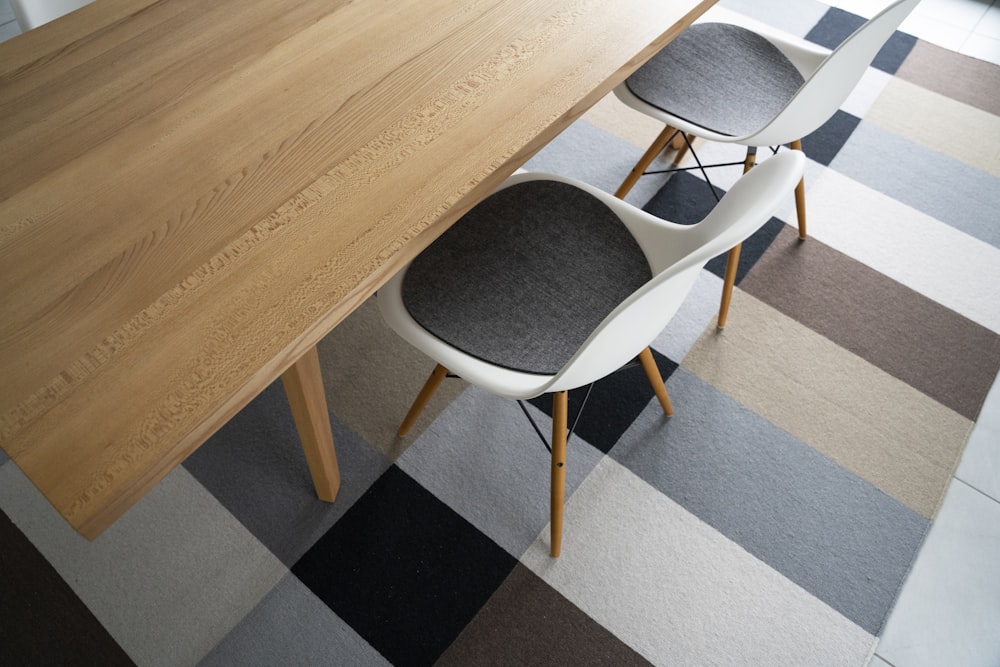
721, 77
524, 278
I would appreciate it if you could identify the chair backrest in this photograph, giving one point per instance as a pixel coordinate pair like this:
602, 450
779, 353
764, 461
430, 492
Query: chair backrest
829, 85
677, 254
33, 13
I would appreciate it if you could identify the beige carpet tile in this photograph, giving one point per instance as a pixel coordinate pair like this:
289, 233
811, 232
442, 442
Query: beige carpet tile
953, 127
948, 357
969, 80
876, 426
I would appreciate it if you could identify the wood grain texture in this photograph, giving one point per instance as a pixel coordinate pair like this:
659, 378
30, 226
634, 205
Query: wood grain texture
193, 194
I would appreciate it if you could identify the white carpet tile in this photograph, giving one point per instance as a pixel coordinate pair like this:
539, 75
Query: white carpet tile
636, 562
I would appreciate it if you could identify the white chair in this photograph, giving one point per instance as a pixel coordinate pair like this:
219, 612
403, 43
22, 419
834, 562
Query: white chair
550, 284
750, 85
33, 13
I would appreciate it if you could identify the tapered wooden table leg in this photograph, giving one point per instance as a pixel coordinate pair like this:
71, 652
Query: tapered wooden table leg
304, 387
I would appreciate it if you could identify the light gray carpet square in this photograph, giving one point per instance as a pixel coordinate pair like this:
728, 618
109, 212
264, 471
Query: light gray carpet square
291, 626
592, 155
483, 459
933, 183
829, 531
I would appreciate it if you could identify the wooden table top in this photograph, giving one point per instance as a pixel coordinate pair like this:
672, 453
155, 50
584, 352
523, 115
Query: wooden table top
192, 194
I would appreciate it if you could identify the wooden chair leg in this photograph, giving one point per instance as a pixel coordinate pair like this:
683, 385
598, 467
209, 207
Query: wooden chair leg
800, 196
560, 403
656, 380
423, 398
647, 158
733, 261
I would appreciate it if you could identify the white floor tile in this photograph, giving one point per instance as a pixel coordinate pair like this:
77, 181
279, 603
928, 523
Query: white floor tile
989, 26
980, 465
984, 48
932, 30
960, 13
948, 612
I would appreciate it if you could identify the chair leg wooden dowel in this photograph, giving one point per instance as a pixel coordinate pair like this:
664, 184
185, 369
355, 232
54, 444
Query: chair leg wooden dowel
423, 398
800, 196
656, 380
560, 403
732, 263
655, 148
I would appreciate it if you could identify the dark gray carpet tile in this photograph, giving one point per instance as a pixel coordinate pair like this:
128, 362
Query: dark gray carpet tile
832, 533
906, 334
613, 405
719, 76
963, 78
526, 276
931, 182
255, 467
823, 145
527, 622
404, 570
837, 25
686, 199
3, 457
291, 626
42, 621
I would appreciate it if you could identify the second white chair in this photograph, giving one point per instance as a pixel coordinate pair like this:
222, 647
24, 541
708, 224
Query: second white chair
550, 284
749, 84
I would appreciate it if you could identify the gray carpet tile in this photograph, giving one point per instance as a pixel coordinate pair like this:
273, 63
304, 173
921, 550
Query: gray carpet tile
291, 626
483, 459
255, 467
949, 190
835, 535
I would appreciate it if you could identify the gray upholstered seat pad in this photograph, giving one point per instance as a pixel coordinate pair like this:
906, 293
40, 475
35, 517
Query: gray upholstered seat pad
524, 278
721, 77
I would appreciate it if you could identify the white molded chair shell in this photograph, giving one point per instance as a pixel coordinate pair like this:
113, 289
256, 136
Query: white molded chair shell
830, 76
33, 13
676, 254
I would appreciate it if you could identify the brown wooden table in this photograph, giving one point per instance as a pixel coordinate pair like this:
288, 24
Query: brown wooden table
192, 194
